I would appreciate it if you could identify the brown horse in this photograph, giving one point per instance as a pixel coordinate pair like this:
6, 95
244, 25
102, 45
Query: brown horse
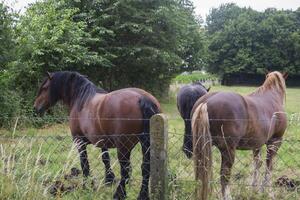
119, 119
231, 121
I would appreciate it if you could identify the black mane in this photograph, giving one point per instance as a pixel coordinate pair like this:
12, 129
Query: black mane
73, 88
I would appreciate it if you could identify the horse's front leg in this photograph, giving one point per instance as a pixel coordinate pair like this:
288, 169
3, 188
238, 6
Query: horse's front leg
81, 147
124, 159
109, 175
228, 156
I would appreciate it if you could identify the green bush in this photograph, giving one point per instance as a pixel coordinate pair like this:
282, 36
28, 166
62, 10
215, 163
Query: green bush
195, 76
9, 102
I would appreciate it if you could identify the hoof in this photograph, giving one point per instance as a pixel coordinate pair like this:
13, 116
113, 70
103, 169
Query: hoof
143, 196
120, 194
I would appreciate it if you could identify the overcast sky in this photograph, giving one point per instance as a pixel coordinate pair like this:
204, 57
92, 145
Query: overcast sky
203, 6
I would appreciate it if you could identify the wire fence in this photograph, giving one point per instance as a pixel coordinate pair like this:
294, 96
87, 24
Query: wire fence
44, 163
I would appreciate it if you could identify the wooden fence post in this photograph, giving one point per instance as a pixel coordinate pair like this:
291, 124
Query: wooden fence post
158, 158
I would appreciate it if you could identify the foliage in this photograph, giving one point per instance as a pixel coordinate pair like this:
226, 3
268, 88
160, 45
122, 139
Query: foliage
147, 42
6, 36
118, 43
9, 99
195, 76
247, 41
49, 40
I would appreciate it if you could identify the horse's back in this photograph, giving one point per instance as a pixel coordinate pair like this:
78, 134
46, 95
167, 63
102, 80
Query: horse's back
228, 116
115, 117
244, 119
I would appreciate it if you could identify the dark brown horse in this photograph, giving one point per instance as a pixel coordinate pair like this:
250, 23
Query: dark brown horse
186, 98
119, 119
231, 121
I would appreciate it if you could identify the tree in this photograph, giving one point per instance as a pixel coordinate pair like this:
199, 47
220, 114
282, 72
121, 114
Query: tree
147, 42
254, 42
6, 36
218, 17
9, 99
117, 43
49, 40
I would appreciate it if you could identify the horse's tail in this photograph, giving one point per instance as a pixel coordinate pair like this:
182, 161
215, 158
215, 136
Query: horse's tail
202, 148
148, 109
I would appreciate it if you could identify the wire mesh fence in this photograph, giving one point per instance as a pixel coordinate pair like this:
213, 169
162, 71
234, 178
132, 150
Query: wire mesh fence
47, 166
44, 163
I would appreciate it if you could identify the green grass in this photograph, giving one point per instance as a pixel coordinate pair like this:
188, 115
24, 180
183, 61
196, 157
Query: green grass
33, 159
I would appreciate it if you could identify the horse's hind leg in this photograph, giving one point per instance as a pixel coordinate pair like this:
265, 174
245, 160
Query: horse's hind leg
257, 162
272, 148
144, 192
109, 175
228, 156
124, 159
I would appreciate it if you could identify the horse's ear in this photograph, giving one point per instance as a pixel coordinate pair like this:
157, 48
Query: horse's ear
49, 75
285, 75
267, 71
208, 89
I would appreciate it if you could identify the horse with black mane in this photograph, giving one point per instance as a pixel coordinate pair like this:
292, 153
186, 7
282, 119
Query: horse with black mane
119, 119
186, 98
231, 121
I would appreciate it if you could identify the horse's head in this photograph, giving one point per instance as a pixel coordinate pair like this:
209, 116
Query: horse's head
43, 101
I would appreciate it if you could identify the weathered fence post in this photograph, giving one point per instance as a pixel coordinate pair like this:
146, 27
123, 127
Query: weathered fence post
158, 159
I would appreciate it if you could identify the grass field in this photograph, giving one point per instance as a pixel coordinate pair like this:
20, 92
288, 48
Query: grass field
30, 166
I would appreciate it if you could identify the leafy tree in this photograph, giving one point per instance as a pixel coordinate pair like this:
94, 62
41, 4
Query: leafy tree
48, 40
9, 99
119, 43
6, 36
218, 17
253, 41
147, 42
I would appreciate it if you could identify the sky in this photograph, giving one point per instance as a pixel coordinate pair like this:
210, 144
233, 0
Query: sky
202, 7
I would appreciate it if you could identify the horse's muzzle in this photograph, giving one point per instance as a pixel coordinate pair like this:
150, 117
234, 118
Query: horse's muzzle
38, 111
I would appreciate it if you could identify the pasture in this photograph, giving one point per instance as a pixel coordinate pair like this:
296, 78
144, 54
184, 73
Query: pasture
43, 163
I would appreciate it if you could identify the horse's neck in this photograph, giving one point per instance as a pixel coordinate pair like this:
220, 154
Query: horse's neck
92, 107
